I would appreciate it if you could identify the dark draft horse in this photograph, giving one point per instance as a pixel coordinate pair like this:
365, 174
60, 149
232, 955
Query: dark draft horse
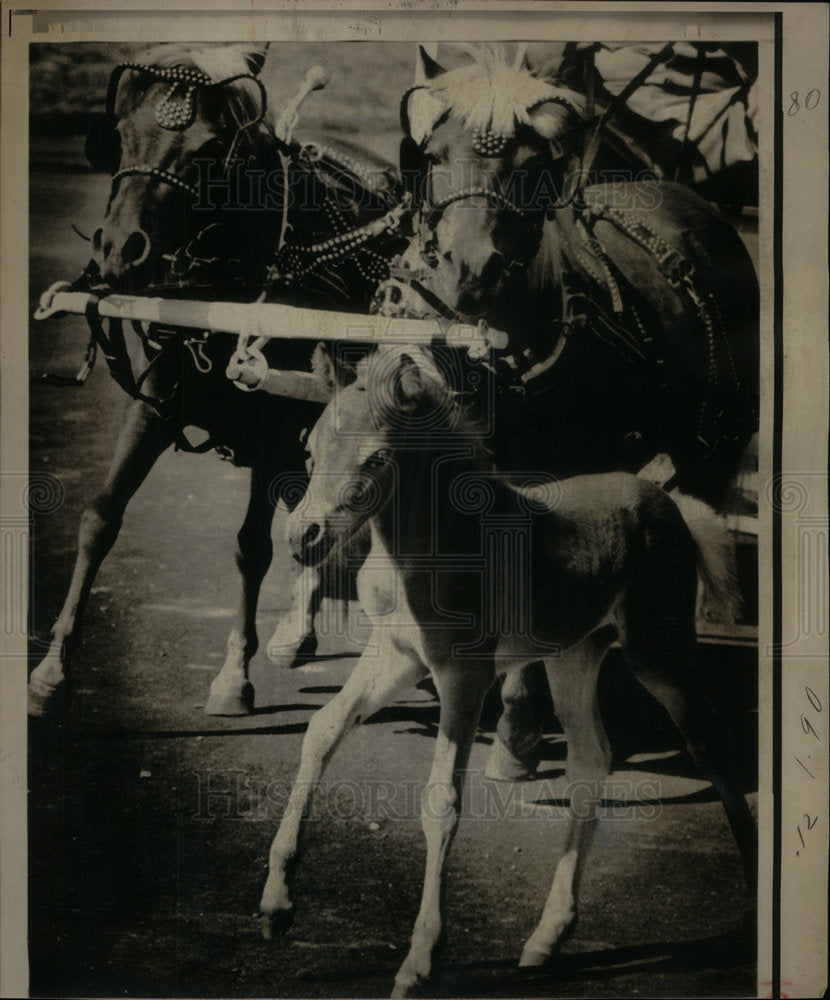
599, 558
211, 199
631, 307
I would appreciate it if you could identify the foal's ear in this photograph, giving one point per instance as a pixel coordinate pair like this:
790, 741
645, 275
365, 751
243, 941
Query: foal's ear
428, 68
409, 385
322, 365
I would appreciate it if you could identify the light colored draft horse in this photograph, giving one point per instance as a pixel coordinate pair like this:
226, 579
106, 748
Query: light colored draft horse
603, 558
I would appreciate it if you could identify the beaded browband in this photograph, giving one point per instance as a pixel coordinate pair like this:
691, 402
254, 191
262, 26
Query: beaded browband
176, 110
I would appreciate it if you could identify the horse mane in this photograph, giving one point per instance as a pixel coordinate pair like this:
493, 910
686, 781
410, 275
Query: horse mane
546, 268
219, 62
498, 94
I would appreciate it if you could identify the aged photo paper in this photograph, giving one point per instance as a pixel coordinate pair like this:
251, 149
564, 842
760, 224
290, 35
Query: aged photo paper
604, 227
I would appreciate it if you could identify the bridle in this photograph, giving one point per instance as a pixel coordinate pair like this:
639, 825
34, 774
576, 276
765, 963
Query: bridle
175, 111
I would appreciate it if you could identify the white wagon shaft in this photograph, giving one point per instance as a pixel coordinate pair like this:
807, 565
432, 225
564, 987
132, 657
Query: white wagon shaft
261, 321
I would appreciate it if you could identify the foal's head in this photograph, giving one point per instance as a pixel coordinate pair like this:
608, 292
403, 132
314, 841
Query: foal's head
178, 119
489, 152
359, 448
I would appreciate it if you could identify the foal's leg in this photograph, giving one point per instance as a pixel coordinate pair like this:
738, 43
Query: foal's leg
375, 681
231, 693
461, 690
517, 745
144, 436
573, 682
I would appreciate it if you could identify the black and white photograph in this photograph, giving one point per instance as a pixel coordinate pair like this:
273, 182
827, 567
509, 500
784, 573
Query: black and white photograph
415, 586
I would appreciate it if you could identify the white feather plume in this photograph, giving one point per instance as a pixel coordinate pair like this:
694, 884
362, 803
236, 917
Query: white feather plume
494, 92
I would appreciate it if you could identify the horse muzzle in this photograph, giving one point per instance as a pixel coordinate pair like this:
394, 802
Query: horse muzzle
121, 257
399, 299
309, 542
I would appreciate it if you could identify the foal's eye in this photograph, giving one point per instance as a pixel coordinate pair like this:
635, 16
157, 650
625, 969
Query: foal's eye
379, 458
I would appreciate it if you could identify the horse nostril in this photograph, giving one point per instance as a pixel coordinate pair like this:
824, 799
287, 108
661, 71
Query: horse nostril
96, 240
136, 248
310, 536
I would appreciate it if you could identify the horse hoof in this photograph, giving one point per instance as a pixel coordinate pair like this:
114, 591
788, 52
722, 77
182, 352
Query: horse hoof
289, 655
227, 702
44, 698
276, 923
503, 765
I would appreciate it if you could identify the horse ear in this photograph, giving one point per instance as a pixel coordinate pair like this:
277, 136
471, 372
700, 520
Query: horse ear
549, 120
428, 68
255, 57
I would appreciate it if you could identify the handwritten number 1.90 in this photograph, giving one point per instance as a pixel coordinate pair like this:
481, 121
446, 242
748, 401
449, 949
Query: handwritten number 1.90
811, 100
807, 727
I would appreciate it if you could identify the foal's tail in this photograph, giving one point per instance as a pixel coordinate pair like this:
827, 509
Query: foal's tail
719, 597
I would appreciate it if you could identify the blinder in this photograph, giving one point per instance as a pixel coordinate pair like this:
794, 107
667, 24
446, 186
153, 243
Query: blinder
175, 111
103, 143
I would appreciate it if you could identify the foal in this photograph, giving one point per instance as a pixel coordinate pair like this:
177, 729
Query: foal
469, 577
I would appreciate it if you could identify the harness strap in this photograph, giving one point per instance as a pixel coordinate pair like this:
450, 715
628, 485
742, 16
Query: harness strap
433, 300
635, 83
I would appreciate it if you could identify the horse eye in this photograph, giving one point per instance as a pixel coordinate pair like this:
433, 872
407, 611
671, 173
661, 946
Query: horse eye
429, 254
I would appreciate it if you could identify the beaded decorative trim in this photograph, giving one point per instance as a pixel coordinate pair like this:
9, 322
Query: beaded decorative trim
162, 175
175, 74
176, 113
431, 210
488, 143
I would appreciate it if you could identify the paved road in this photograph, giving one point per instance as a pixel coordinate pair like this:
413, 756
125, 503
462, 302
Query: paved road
150, 822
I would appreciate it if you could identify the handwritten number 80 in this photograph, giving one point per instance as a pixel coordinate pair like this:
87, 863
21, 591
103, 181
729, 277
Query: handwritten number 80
811, 100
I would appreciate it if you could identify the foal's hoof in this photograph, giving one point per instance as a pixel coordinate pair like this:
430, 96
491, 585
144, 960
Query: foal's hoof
227, 701
532, 958
503, 765
276, 923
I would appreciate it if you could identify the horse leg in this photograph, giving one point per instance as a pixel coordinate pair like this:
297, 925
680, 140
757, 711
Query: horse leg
573, 682
294, 635
294, 638
375, 681
143, 437
461, 691
231, 693
517, 745
667, 671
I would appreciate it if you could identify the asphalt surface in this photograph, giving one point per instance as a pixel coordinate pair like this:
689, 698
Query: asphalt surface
150, 821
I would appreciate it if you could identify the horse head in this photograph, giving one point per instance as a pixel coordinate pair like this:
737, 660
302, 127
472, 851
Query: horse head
363, 443
490, 151
179, 119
